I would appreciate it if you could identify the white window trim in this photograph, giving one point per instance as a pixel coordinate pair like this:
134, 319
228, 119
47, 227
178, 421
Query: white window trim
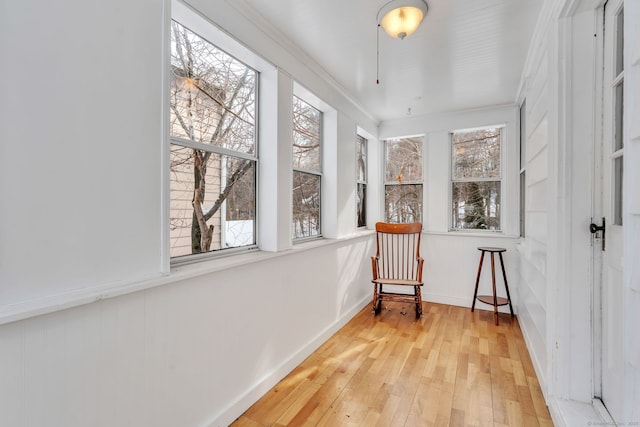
198, 24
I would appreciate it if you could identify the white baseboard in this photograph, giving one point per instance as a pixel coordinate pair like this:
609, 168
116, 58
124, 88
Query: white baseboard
242, 403
570, 413
542, 378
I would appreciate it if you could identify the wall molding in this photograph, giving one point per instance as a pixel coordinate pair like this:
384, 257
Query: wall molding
40, 306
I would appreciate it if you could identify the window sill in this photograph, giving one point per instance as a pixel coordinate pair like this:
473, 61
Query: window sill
50, 304
483, 234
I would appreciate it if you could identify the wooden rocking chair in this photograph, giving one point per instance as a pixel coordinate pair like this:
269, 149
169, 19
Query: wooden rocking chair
397, 262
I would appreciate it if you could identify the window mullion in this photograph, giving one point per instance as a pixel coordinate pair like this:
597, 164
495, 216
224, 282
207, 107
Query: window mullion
211, 148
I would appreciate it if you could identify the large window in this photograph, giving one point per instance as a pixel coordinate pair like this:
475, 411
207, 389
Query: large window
403, 180
213, 147
361, 181
307, 169
476, 179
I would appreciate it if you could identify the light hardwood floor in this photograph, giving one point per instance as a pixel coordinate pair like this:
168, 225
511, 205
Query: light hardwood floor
450, 368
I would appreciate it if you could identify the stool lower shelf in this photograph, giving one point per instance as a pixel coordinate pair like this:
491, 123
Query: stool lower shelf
488, 299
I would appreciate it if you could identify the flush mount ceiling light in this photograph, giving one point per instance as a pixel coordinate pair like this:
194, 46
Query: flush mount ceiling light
401, 18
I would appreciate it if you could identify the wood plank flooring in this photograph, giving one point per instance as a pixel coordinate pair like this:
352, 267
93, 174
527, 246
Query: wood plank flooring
450, 368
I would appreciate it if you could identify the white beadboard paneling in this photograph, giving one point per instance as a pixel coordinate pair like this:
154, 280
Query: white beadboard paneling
195, 352
538, 139
12, 375
536, 254
537, 97
451, 266
186, 339
122, 361
537, 227
46, 370
537, 200
83, 365
537, 168
632, 319
468, 73
532, 320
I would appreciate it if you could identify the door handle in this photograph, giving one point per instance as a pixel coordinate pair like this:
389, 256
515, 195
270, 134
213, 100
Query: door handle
594, 228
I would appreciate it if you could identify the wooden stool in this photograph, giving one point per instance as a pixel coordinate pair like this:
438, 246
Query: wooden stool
493, 300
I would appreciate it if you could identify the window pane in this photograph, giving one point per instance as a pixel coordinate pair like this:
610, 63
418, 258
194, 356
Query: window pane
618, 170
523, 134
403, 203
618, 118
306, 136
476, 205
203, 185
523, 201
403, 159
212, 95
306, 205
361, 158
620, 42
361, 203
476, 154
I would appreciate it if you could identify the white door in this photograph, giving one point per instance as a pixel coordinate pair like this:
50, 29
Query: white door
609, 241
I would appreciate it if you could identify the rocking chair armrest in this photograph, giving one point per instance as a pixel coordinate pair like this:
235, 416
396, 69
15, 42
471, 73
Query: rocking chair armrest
374, 267
420, 266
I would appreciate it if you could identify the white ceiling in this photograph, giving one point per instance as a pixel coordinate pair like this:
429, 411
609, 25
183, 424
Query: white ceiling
467, 53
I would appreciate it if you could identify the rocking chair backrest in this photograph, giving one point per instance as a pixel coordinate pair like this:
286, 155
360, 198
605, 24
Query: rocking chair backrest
398, 250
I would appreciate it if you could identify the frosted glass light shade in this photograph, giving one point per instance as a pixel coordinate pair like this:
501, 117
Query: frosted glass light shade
401, 18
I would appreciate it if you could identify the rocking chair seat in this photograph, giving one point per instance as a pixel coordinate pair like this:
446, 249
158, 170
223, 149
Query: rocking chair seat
397, 282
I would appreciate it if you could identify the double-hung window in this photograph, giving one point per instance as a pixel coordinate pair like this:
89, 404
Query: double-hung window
212, 102
361, 181
307, 170
476, 179
403, 180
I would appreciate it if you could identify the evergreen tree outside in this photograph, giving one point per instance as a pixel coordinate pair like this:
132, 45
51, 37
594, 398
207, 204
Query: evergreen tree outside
475, 212
476, 179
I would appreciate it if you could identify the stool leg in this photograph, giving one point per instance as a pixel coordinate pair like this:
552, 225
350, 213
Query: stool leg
475, 293
506, 285
493, 283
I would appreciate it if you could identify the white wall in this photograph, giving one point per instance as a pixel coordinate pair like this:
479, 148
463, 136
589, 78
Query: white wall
94, 327
81, 132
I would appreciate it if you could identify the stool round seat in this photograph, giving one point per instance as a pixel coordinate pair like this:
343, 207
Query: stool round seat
494, 299
490, 249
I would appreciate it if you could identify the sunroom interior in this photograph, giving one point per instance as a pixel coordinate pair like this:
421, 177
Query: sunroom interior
118, 307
